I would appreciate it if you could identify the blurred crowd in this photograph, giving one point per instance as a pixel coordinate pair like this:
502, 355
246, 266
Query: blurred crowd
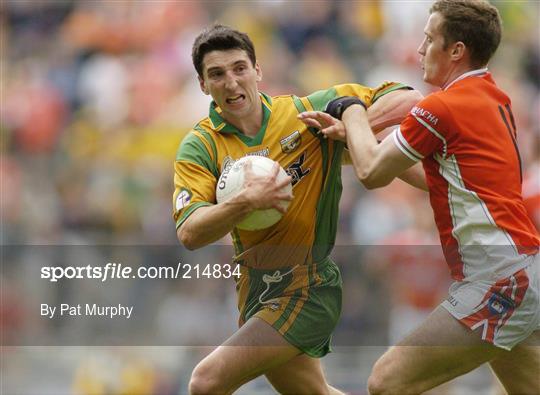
97, 95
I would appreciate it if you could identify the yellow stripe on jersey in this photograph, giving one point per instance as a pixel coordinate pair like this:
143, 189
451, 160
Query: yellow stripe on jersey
307, 104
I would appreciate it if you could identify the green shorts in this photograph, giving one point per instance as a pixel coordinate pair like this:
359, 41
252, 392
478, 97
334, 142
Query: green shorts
303, 303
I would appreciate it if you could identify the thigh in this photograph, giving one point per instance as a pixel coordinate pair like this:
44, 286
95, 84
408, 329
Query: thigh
304, 306
300, 375
254, 349
436, 352
519, 370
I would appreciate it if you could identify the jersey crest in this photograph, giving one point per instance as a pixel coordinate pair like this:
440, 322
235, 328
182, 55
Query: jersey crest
291, 142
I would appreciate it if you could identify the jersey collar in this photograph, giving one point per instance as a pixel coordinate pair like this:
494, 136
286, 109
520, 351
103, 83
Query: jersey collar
472, 73
219, 124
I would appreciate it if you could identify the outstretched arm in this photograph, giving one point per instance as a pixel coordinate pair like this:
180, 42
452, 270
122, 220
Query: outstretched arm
376, 165
389, 110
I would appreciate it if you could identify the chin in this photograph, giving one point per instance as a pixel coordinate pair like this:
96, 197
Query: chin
427, 79
238, 113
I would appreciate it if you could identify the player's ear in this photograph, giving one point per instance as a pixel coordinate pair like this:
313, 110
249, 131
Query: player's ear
258, 71
202, 84
458, 50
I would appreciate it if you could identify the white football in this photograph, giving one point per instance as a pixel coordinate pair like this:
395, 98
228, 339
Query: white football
231, 182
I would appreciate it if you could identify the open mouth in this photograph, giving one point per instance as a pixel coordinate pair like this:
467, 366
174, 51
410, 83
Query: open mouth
235, 99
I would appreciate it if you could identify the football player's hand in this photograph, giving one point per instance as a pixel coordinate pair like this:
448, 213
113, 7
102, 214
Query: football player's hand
328, 125
264, 192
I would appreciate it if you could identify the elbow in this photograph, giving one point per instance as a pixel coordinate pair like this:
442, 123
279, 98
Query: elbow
371, 180
369, 185
186, 238
371, 171
369, 174
374, 184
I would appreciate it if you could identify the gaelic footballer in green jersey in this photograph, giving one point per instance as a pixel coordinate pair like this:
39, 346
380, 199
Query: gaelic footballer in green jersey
304, 237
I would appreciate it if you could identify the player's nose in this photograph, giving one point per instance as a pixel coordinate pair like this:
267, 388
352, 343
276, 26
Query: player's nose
230, 81
422, 48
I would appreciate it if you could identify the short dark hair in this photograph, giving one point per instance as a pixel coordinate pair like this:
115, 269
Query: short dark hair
476, 23
220, 38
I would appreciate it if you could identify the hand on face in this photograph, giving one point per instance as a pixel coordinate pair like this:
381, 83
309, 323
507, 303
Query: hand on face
264, 192
328, 126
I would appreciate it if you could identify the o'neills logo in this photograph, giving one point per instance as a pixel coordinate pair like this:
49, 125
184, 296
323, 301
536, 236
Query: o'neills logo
291, 142
227, 162
262, 152
432, 119
183, 198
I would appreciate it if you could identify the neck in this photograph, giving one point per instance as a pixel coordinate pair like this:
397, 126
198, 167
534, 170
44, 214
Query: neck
250, 124
454, 73
458, 72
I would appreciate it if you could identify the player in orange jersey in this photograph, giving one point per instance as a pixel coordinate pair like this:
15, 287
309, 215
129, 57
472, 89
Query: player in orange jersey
465, 136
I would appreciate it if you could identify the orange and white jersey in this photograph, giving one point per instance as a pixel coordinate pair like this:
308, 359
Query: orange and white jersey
465, 136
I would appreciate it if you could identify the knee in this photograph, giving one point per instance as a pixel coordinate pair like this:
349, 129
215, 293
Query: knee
202, 381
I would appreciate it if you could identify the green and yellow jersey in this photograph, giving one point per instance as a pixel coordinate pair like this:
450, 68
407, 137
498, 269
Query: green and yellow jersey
307, 232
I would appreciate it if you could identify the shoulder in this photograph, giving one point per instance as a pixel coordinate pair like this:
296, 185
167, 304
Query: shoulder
432, 109
281, 101
199, 147
202, 132
319, 99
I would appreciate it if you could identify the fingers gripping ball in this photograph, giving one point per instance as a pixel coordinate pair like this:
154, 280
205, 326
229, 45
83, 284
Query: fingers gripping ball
231, 183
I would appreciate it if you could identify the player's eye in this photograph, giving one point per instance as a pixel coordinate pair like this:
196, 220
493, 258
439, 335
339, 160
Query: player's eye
215, 74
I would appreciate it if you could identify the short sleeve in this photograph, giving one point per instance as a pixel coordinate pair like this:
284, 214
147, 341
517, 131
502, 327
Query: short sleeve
195, 178
423, 131
318, 100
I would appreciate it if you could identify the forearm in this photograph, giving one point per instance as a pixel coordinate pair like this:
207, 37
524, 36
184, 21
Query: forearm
361, 141
209, 224
375, 165
392, 108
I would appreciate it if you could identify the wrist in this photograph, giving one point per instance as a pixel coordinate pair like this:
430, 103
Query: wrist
353, 109
241, 204
338, 106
